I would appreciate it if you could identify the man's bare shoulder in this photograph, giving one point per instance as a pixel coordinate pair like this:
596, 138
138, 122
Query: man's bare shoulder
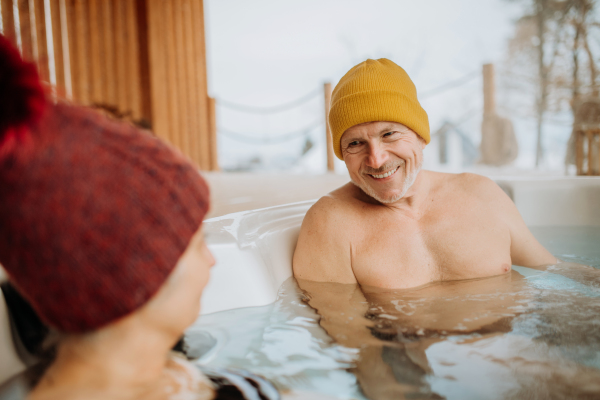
489, 198
323, 249
348, 194
476, 186
332, 210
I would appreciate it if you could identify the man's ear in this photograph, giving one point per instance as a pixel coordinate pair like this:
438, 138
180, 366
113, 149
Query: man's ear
423, 143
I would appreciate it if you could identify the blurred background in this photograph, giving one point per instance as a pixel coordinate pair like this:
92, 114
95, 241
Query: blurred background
269, 54
511, 86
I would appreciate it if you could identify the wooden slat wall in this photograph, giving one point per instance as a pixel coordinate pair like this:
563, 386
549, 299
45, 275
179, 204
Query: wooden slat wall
157, 75
191, 78
26, 29
180, 107
122, 58
8, 20
29, 31
140, 67
97, 95
107, 53
41, 42
141, 60
61, 60
169, 52
199, 44
131, 70
78, 20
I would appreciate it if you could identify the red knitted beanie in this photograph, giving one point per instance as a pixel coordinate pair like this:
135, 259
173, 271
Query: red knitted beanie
94, 214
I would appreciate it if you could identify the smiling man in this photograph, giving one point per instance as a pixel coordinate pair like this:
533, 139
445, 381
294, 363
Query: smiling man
394, 225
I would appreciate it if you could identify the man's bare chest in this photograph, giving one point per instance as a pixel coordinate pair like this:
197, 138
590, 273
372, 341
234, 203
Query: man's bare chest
403, 252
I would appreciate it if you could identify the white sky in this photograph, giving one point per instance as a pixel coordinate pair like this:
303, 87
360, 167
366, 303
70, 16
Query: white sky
268, 52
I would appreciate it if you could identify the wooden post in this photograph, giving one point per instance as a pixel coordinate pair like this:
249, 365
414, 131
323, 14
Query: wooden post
330, 153
212, 119
597, 133
489, 100
590, 154
579, 151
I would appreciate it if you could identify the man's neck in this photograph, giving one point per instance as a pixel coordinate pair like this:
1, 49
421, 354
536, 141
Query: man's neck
414, 202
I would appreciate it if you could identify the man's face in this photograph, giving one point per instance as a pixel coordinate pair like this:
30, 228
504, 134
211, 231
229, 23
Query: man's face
383, 158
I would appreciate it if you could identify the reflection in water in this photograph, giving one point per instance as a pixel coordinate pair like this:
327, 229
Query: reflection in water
282, 342
397, 327
529, 334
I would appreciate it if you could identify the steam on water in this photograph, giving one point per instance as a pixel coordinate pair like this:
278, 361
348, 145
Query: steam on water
525, 335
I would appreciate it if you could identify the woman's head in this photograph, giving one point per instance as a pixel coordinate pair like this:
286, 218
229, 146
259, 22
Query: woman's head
177, 303
95, 215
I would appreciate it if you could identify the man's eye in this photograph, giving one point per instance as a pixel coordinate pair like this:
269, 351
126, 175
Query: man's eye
354, 146
388, 134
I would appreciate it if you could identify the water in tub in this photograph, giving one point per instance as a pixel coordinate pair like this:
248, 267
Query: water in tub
529, 334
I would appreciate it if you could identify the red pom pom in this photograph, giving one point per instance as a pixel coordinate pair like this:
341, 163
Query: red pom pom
22, 97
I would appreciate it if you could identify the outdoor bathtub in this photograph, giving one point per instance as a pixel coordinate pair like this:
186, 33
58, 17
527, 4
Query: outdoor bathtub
245, 317
254, 317
254, 248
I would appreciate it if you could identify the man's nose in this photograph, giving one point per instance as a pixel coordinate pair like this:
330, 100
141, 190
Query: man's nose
377, 156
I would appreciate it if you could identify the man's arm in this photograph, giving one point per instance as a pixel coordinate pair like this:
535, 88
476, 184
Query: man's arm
323, 250
323, 269
525, 250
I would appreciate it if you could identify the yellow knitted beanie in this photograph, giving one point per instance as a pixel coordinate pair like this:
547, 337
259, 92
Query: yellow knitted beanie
375, 90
